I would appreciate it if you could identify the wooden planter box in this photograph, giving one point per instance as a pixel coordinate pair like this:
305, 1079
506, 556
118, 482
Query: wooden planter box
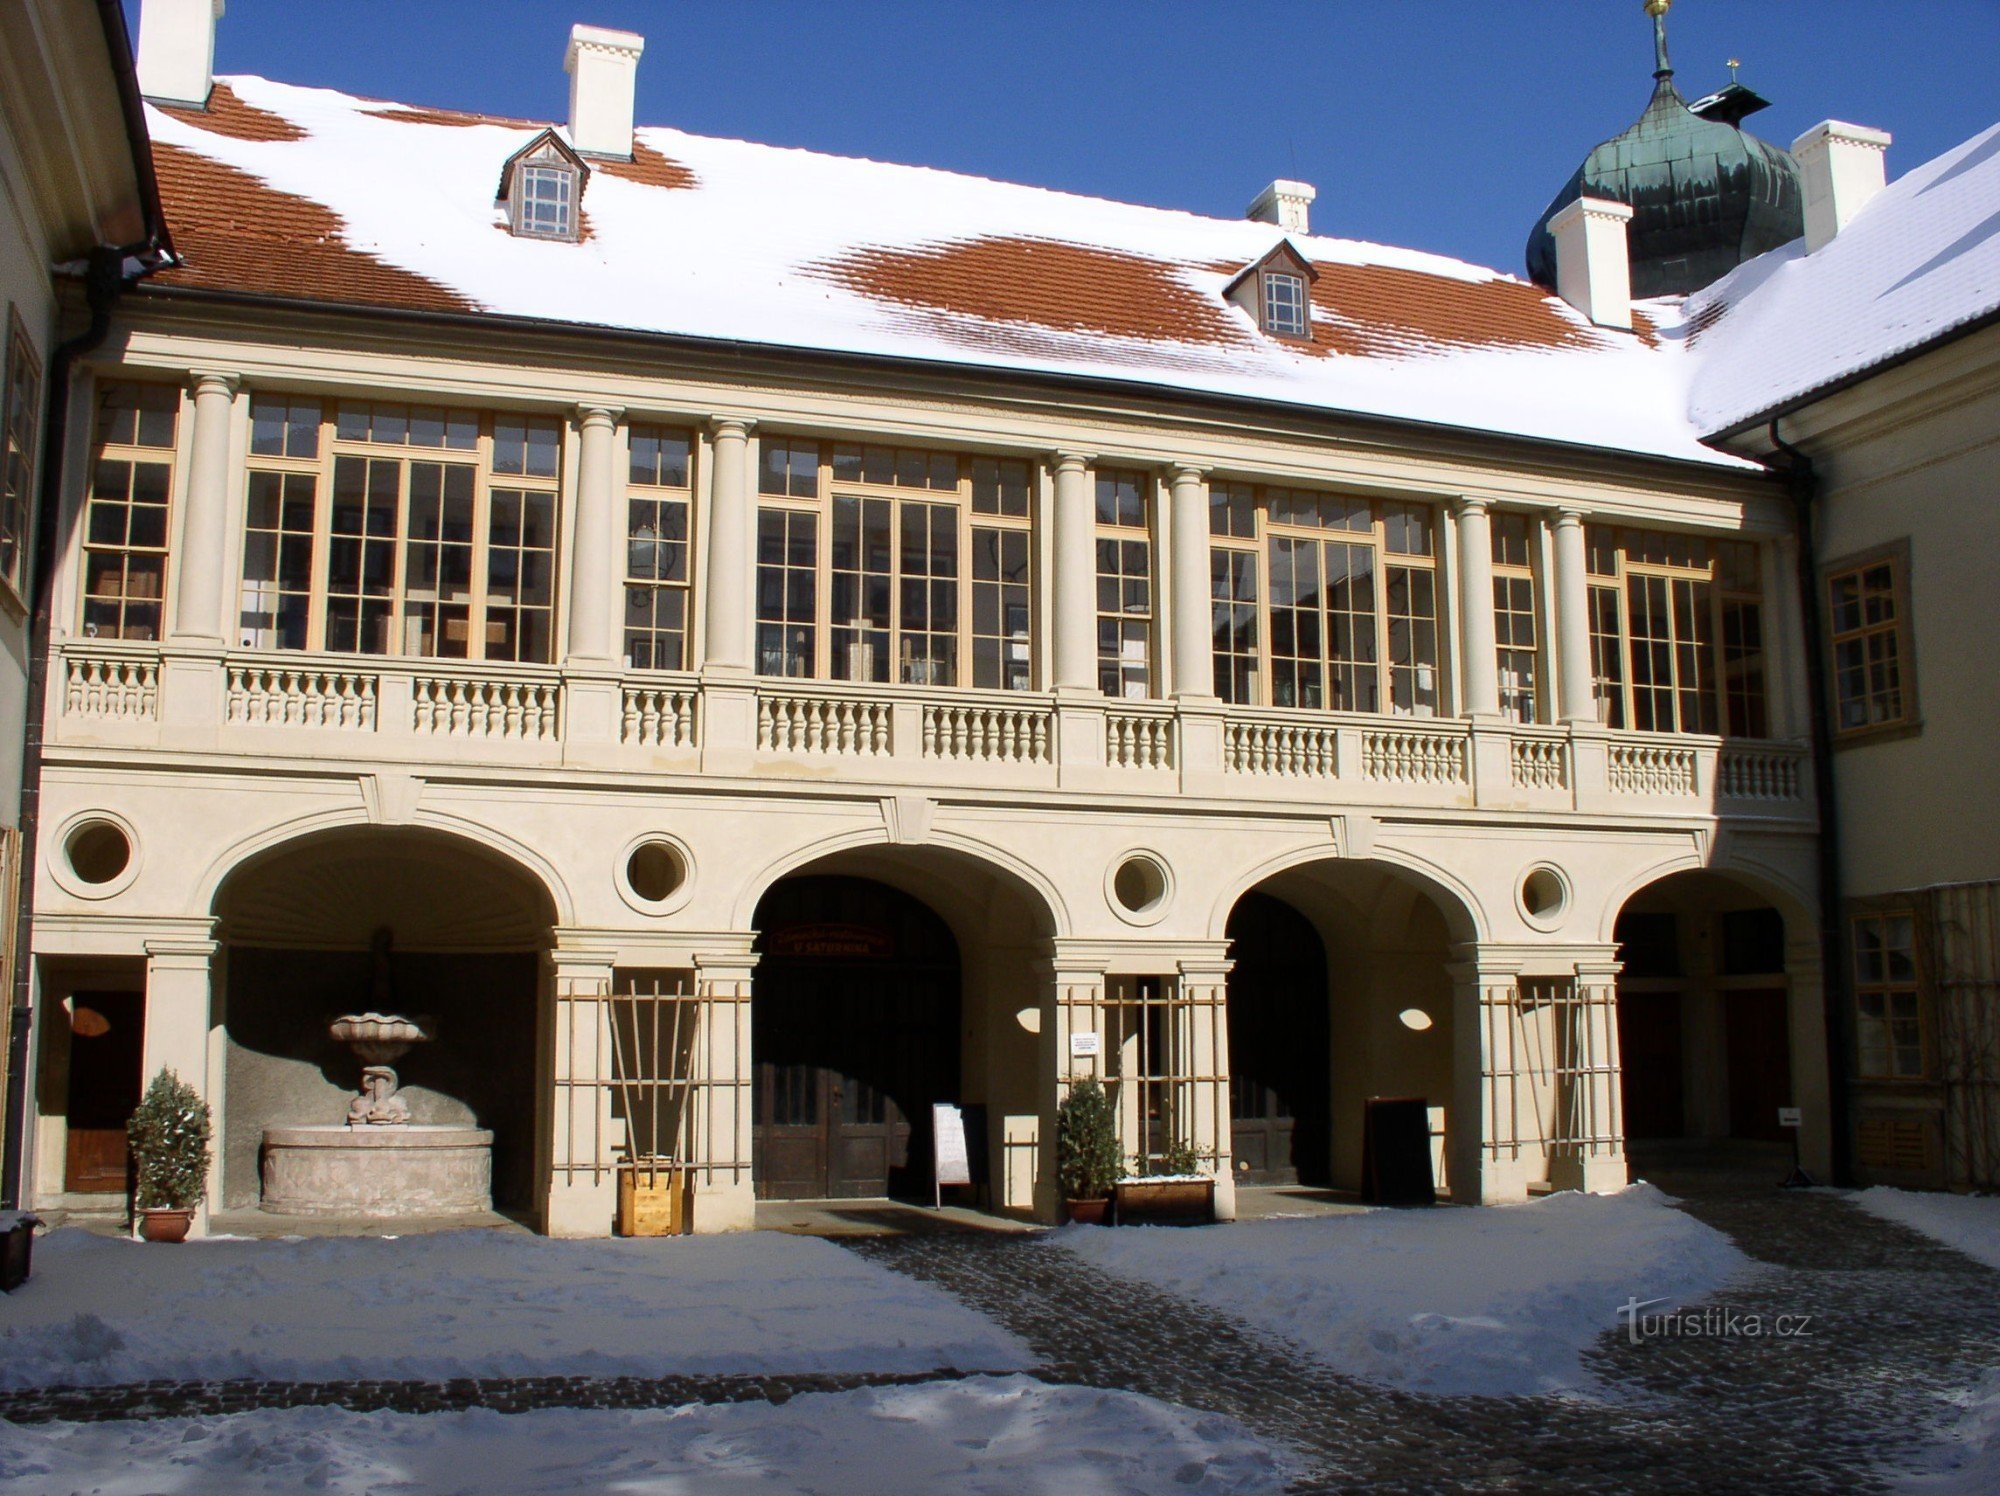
655, 1201
1163, 1202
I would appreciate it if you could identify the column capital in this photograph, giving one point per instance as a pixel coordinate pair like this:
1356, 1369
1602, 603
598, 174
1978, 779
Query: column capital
588, 415
737, 426
213, 381
181, 955
1568, 518
1466, 504
1071, 461
1180, 471
1482, 964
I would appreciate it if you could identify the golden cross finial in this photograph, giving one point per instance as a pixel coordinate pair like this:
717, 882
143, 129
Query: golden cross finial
1734, 64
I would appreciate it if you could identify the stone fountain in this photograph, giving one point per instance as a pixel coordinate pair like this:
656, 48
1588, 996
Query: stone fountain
378, 1164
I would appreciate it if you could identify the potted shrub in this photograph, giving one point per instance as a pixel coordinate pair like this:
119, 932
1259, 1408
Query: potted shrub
169, 1138
1172, 1190
1087, 1160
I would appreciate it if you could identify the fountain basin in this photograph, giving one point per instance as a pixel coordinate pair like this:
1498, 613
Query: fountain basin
378, 1172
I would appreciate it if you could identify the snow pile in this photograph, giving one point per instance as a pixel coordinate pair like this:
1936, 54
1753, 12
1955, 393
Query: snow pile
1966, 1460
477, 1303
1971, 1223
1002, 1436
1491, 1302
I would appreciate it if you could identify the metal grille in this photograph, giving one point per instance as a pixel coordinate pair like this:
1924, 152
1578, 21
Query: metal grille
1565, 1047
1963, 961
653, 1071
1162, 1051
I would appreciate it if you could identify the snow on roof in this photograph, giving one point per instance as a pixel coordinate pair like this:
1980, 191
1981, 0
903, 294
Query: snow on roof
312, 194
1919, 261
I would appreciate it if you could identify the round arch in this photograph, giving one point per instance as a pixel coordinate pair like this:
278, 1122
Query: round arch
1799, 908
1455, 901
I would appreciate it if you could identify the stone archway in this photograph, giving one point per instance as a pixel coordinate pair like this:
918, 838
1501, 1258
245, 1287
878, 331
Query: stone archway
298, 924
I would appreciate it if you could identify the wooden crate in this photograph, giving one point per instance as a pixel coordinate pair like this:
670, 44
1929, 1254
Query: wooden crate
655, 1200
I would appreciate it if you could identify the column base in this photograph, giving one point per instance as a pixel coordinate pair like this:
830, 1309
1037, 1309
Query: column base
581, 1207
1493, 1182
724, 1207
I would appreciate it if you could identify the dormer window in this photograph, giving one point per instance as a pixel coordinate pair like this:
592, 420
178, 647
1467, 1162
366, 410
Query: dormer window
1284, 304
545, 202
541, 187
1277, 291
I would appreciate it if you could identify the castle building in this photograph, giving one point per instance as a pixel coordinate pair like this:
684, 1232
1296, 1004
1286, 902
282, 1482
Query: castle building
746, 645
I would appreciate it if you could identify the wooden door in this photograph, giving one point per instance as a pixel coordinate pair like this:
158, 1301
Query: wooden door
107, 1031
1649, 1057
1759, 1055
1279, 1059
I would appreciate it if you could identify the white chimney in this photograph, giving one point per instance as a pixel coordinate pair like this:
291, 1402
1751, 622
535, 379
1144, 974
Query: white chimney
1593, 265
603, 68
1840, 168
1286, 204
177, 49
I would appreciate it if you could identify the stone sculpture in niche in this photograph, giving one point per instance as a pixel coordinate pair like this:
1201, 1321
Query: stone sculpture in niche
379, 1037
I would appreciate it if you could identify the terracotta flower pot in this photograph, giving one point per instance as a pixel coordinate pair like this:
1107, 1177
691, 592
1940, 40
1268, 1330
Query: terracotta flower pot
165, 1225
1087, 1212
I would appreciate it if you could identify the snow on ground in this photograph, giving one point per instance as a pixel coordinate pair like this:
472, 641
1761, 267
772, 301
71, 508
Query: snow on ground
1493, 1302
1966, 1458
1971, 1223
477, 1303
1001, 1435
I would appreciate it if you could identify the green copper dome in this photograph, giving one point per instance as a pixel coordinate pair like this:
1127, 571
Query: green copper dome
1705, 195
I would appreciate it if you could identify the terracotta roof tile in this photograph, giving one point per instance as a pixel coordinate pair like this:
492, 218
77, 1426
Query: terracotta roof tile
228, 115
235, 233
649, 168
1383, 310
1045, 282
412, 114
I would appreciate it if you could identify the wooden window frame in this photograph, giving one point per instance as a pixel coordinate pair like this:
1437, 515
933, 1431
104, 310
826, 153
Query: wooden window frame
1116, 666
1269, 306
815, 475
644, 586
1517, 604
1908, 721
1887, 988
485, 606
1227, 511
131, 454
1707, 585
20, 428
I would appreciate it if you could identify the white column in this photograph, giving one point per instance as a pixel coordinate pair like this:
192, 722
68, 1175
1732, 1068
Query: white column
1194, 669
732, 518
595, 577
1478, 672
1489, 1094
1204, 1024
580, 1140
1785, 683
1589, 1150
1072, 1002
205, 527
1075, 574
725, 1197
179, 1015
1575, 686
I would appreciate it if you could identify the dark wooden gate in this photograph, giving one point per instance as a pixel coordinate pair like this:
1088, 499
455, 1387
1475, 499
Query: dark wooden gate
107, 1031
1758, 1044
855, 1025
1280, 1062
1649, 1057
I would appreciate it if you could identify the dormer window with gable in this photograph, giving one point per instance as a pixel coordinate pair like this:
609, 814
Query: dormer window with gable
541, 186
1277, 291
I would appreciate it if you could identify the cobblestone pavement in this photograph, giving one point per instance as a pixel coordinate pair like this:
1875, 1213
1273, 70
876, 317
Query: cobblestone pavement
1897, 1321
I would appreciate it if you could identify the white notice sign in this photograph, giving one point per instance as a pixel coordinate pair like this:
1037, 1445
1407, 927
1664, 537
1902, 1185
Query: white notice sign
1085, 1046
948, 1157
1788, 1116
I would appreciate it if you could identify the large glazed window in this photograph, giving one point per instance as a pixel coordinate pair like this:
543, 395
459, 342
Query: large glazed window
1868, 617
1515, 616
400, 530
1889, 1029
1323, 601
657, 541
125, 524
924, 575
1124, 583
20, 419
1677, 632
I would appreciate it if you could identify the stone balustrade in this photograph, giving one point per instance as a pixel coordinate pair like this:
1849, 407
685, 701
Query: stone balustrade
348, 708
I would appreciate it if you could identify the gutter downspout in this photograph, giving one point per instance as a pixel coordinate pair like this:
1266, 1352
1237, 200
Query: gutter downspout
1803, 484
105, 281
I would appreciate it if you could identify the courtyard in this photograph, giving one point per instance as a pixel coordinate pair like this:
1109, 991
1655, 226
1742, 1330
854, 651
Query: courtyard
1798, 1340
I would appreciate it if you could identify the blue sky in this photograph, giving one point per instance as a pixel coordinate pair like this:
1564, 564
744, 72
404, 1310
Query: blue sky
1440, 124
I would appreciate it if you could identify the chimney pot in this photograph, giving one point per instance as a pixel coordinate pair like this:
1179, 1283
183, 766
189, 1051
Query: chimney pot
1593, 264
1841, 167
603, 68
176, 63
1286, 204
